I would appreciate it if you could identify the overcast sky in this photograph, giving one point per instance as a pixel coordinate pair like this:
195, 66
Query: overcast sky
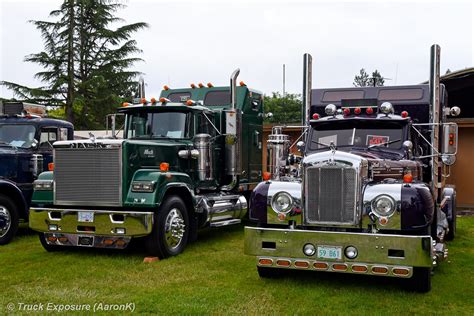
202, 41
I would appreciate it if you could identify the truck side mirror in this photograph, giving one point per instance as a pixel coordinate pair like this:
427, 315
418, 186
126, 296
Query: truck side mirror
408, 146
300, 146
450, 143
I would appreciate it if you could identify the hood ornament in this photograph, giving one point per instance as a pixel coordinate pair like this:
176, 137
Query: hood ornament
92, 137
332, 147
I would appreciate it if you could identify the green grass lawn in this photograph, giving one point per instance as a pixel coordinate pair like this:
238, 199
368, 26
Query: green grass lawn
214, 276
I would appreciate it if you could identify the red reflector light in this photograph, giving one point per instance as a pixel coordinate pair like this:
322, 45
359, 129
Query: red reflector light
404, 114
265, 262
401, 271
359, 269
302, 264
369, 111
283, 263
339, 267
320, 266
315, 116
266, 176
379, 270
346, 111
357, 111
51, 166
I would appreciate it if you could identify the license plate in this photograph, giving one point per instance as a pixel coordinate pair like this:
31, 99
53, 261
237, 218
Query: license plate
328, 252
85, 217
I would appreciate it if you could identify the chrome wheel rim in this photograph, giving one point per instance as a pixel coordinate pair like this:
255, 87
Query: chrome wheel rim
174, 228
5, 221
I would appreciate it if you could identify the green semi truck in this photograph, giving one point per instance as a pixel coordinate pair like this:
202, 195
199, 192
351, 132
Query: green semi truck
187, 161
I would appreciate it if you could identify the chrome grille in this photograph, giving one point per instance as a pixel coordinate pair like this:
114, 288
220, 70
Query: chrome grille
88, 176
331, 195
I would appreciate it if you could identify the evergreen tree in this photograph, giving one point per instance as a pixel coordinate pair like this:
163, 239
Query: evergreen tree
363, 79
86, 61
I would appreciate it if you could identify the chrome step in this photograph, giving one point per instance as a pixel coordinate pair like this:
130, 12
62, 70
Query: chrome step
226, 223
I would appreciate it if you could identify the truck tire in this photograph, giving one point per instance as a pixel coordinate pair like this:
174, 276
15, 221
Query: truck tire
170, 231
47, 247
9, 219
421, 280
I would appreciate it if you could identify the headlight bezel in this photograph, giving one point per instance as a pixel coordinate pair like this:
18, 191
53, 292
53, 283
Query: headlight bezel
381, 213
283, 210
43, 185
143, 186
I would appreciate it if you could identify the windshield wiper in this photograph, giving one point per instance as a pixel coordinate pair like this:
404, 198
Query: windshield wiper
385, 144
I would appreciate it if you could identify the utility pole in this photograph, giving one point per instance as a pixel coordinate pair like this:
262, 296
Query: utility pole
283, 80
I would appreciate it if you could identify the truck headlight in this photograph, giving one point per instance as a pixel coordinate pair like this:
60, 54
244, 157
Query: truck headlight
383, 205
282, 202
43, 185
143, 186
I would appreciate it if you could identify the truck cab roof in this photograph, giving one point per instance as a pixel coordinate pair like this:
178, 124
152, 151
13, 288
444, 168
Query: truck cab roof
35, 120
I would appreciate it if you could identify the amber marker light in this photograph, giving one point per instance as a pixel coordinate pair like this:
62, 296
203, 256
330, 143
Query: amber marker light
200, 85
153, 100
359, 269
383, 220
52, 239
407, 178
108, 242
283, 263
120, 243
401, 271
193, 86
209, 85
164, 166
190, 102
302, 264
339, 267
242, 84
51, 166
265, 262
165, 87
320, 265
143, 101
379, 270
125, 104
266, 176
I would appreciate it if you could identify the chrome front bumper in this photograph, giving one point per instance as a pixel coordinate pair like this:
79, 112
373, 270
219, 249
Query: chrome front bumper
104, 222
380, 254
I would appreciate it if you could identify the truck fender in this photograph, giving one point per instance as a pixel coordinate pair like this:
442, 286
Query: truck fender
165, 183
11, 190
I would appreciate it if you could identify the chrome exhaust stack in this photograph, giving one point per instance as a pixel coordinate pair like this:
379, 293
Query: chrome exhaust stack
307, 86
233, 135
435, 119
278, 149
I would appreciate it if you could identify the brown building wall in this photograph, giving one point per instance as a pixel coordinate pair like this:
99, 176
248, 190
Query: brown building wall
462, 172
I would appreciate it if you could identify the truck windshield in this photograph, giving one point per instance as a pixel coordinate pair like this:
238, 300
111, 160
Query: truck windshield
388, 135
157, 125
19, 135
